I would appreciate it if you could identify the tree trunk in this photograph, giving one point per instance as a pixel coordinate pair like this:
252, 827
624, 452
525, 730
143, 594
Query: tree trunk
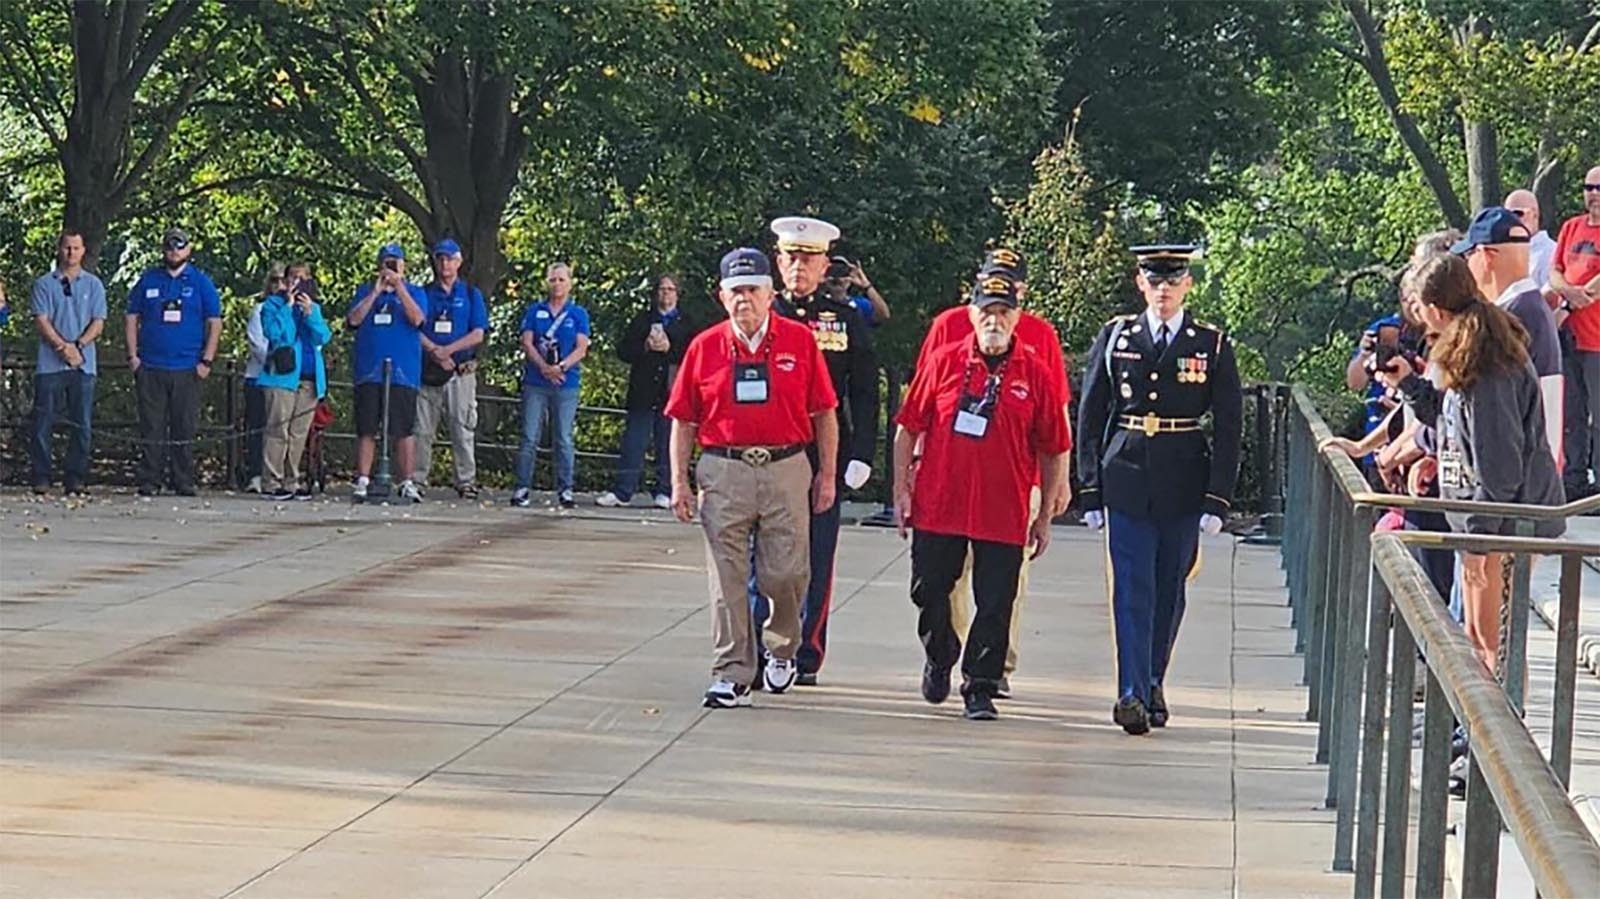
1547, 171
475, 146
1483, 164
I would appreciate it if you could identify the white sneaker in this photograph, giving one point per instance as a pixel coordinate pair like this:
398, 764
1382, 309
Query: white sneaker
727, 695
359, 491
663, 501
254, 486
780, 674
409, 491
608, 500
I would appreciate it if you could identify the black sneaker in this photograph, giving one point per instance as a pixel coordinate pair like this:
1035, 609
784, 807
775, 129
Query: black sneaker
1002, 688
1129, 713
806, 679
148, 490
935, 683
567, 501
980, 707
282, 496
520, 498
73, 488
303, 494
187, 491
1158, 707
40, 489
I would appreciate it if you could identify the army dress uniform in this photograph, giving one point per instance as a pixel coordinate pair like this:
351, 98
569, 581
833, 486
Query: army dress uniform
1144, 458
846, 343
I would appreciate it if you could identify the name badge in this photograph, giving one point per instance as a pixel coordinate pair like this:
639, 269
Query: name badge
383, 318
969, 425
750, 383
442, 326
151, 293
172, 311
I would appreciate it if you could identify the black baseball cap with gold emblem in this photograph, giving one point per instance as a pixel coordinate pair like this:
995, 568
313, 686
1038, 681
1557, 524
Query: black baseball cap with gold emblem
1004, 261
994, 287
1171, 259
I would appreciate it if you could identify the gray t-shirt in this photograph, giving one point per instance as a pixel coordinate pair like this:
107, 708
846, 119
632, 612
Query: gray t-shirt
70, 308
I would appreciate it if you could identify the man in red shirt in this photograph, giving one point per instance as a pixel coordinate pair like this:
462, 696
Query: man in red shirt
988, 414
753, 392
1575, 277
1038, 337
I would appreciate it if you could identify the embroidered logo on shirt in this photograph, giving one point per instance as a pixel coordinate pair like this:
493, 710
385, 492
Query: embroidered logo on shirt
786, 362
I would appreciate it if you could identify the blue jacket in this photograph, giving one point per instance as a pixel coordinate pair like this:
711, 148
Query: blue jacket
278, 316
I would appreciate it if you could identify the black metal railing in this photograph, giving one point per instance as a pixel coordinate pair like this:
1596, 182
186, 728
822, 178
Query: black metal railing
1363, 610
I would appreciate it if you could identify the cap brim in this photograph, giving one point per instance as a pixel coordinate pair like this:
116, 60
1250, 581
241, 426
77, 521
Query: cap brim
803, 247
746, 281
1461, 247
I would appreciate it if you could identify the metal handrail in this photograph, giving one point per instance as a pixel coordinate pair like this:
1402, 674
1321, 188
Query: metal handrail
1349, 477
1553, 839
1340, 578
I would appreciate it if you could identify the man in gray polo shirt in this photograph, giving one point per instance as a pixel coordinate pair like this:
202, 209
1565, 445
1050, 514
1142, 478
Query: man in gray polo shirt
69, 310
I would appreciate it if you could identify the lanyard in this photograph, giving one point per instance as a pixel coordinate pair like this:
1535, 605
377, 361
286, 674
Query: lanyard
550, 333
991, 385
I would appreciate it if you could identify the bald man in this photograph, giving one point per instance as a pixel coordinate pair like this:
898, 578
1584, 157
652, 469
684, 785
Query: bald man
1575, 279
1541, 246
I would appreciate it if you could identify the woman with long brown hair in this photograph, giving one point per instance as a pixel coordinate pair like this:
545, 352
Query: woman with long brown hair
1488, 424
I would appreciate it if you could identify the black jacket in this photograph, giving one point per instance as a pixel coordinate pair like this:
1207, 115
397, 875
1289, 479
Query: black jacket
1159, 475
846, 344
647, 378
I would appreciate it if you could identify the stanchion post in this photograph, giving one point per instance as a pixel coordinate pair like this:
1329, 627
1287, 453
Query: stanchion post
383, 481
884, 518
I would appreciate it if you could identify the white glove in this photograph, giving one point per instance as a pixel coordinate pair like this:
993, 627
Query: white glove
856, 474
1210, 525
1095, 520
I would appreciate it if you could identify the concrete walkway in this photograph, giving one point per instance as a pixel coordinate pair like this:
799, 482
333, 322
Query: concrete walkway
231, 698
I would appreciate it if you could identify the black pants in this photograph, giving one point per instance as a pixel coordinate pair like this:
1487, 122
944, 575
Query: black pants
169, 416
255, 423
1579, 455
936, 561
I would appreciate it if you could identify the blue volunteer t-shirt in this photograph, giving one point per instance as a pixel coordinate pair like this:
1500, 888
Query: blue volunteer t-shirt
173, 311
1373, 398
387, 333
452, 316
864, 306
557, 329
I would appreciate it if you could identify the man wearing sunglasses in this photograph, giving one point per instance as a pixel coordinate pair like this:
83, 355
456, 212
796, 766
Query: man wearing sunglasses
69, 311
1150, 477
173, 323
1575, 276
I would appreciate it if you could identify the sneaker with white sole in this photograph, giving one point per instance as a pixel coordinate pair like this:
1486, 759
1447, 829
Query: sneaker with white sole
410, 492
727, 695
359, 491
663, 501
520, 498
566, 500
254, 486
780, 674
609, 500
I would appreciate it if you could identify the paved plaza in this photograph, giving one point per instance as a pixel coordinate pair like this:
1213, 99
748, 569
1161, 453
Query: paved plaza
227, 697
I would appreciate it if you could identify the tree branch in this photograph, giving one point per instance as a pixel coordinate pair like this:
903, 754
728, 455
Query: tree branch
162, 35
253, 179
27, 93
169, 123
352, 76
47, 82
1377, 68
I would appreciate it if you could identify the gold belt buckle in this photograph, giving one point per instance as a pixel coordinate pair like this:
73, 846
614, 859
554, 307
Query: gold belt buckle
1151, 424
757, 456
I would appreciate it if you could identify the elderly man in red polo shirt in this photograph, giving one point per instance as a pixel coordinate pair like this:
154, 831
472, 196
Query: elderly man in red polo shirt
988, 414
753, 392
1039, 338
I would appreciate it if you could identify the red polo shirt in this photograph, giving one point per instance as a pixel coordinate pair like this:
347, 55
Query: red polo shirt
977, 487
1578, 260
798, 386
1039, 336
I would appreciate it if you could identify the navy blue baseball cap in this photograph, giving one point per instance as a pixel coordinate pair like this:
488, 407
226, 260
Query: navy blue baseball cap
1004, 261
391, 251
1492, 225
745, 267
447, 247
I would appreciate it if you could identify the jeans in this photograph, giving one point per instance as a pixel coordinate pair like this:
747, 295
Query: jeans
68, 394
645, 427
562, 406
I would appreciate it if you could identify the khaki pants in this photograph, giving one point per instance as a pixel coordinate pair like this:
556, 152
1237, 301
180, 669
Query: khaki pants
456, 402
736, 498
961, 597
284, 440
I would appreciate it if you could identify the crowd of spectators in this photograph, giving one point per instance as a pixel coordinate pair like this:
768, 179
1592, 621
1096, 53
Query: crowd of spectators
414, 361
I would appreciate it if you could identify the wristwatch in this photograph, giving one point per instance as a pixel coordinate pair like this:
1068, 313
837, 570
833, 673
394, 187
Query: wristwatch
206, 362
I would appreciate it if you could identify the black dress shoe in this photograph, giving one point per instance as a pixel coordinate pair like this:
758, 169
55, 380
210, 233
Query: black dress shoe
1129, 713
980, 707
935, 683
1158, 708
41, 488
148, 490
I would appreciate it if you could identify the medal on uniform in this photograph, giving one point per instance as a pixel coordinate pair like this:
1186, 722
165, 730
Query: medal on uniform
1200, 375
1127, 391
1183, 370
1122, 343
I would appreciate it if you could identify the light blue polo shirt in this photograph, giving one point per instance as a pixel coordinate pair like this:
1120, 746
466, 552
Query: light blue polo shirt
71, 306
